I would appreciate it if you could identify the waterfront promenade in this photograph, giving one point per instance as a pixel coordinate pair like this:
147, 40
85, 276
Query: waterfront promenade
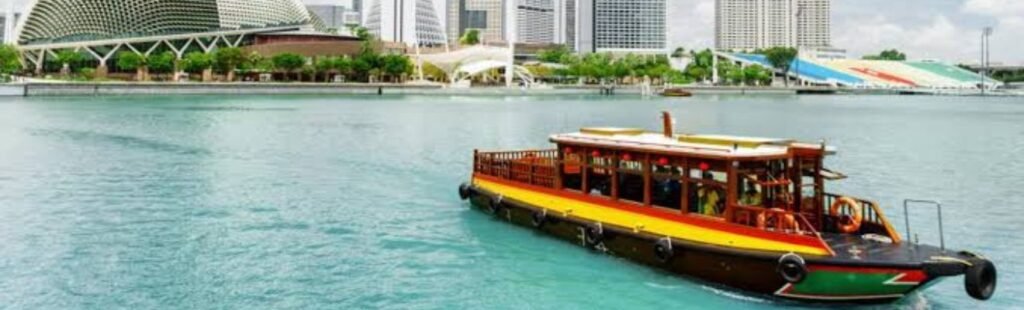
35, 89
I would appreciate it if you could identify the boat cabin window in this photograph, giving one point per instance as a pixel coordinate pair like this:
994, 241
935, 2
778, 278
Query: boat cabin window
631, 177
707, 184
572, 169
666, 185
599, 176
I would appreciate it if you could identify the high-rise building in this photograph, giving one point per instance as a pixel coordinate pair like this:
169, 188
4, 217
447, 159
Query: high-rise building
565, 22
8, 31
409, 21
637, 26
486, 16
752, 24
333, 15
535, 21
814, 23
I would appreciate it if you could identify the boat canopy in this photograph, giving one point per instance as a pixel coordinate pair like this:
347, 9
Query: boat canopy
686, 144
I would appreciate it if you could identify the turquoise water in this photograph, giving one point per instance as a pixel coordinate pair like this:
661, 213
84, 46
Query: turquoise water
349, 203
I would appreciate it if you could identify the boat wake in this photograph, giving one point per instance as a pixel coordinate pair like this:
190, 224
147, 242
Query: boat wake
735, 295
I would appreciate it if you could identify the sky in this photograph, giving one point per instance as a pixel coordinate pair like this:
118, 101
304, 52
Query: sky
923, 29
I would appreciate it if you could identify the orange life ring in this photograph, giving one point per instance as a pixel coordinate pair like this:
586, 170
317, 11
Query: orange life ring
783, 220
858, 216
761, 220
788, 222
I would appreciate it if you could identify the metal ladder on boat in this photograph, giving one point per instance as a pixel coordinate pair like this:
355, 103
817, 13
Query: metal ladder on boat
938, 208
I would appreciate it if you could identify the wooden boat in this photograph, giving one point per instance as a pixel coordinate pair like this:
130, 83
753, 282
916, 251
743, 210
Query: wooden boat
747, 213
676, 92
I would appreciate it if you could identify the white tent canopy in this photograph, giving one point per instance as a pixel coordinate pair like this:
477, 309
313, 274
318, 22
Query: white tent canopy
467, 62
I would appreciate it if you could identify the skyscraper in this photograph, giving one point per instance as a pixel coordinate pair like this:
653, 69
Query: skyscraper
486, 16
409, 21
535, 21
752, 24
334, 16
568, 23
637, 26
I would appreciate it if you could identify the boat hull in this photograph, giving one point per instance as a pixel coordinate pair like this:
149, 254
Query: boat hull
751, 271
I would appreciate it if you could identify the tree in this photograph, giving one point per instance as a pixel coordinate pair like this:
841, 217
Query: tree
228, 59
471, 37
757, 75
433, 72
67, 59
343, 65
288, 62
891, 54
554, 55
679, 52
324, 66
162, 62
395, 65
132, 61
197, 62
781, 58
10, 61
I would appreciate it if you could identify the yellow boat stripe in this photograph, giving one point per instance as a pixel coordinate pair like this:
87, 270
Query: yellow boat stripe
640, 222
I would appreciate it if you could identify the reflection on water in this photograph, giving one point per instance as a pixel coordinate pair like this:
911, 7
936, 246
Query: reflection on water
348, 202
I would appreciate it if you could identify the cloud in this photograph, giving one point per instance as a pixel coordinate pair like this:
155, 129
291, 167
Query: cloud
691, 23
1009, 24
939, 38
998, 8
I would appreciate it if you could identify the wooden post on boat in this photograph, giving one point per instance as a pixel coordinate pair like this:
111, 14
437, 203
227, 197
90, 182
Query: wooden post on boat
666, 124
559, 167
647, 179
684, 179
615, 175
584, 172
731, 197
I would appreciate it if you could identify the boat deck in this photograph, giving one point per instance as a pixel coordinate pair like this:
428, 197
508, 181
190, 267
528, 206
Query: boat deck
855, 249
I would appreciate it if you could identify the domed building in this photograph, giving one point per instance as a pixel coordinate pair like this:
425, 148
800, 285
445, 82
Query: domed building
102, 28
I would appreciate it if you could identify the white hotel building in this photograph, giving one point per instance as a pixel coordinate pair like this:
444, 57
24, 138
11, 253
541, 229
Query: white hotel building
621, 26
752, 24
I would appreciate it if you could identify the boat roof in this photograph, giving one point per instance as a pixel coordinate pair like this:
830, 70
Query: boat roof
685, 144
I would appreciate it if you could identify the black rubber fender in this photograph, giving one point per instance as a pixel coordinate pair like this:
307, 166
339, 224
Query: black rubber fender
464, 191
538, 218
980, 279
792, 268
495, 205
594, 234
663, 251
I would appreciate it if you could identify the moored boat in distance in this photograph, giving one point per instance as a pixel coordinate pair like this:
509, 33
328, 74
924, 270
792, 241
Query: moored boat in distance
676, 92
748, 213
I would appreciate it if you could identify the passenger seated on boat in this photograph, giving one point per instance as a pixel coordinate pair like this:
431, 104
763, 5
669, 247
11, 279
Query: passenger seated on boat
709, 197
751, 197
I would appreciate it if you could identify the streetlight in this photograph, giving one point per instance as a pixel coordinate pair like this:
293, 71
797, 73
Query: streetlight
985, 34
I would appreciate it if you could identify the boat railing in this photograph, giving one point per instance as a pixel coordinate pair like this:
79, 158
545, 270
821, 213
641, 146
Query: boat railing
773, 220
535, 167
872, 215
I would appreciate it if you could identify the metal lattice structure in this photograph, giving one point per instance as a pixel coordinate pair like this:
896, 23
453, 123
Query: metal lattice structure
53, 21
103, 27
